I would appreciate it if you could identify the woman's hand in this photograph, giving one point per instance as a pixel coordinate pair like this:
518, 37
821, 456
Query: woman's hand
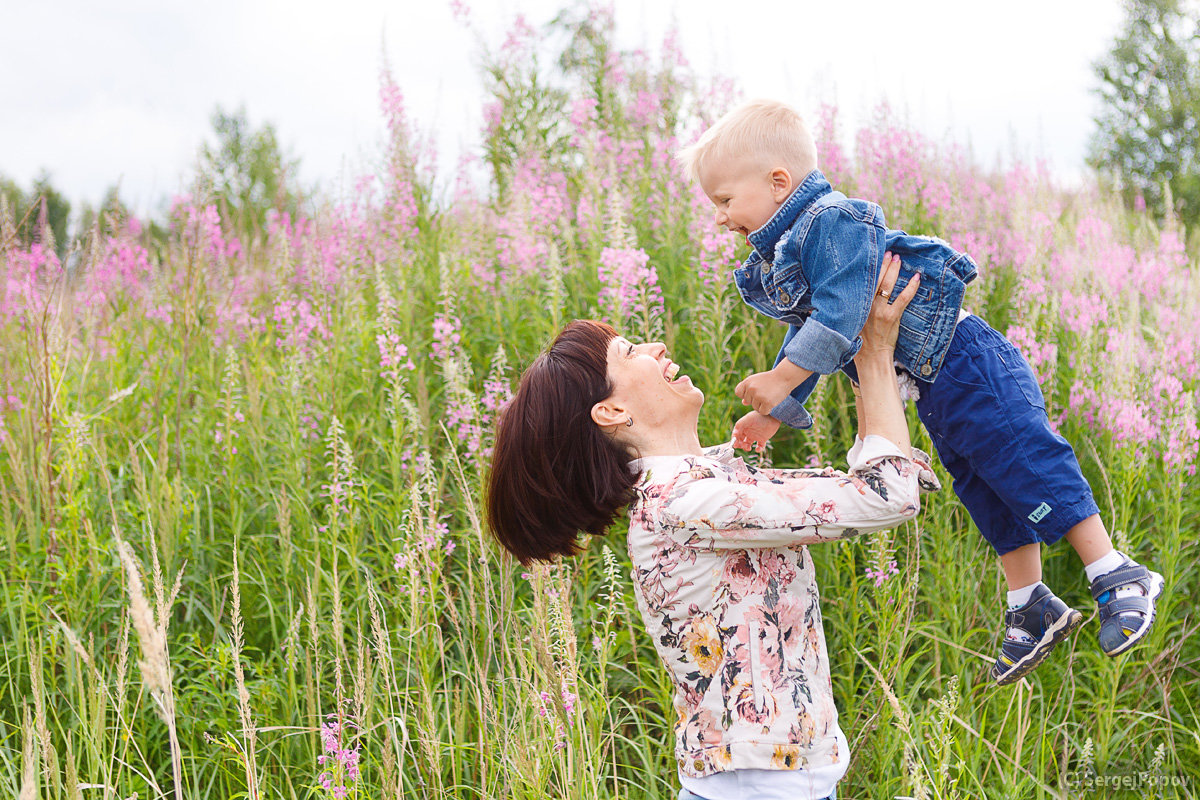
753, 431
883, 325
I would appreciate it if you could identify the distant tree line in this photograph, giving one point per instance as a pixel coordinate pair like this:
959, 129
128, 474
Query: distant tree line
1146, 144
242, 170
1147, 139
40, 215
245, 172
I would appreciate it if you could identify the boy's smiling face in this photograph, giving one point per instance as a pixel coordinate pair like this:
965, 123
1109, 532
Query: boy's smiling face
744, 194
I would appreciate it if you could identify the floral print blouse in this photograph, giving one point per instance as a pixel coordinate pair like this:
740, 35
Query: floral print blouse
726, 589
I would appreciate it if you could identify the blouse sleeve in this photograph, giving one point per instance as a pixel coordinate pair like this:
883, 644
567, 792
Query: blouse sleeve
781, 508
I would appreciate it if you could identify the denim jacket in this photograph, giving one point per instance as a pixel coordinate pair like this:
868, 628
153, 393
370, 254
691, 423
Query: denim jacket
815, 266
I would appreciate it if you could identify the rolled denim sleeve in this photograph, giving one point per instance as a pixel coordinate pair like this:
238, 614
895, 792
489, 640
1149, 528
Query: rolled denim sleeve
841, 257
800, 417
821, 349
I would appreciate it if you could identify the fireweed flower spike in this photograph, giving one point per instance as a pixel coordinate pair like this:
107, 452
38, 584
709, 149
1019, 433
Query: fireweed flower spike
340, 762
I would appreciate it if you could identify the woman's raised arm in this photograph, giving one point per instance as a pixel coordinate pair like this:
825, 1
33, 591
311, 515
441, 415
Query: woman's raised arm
880, 411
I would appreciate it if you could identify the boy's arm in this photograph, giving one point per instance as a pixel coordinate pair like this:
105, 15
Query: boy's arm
840, 256
762, 391
847, 252
755, 429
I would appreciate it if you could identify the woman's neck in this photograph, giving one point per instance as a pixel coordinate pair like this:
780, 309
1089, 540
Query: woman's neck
670, 442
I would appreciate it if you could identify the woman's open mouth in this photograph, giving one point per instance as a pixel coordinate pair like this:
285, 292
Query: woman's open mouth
671, 373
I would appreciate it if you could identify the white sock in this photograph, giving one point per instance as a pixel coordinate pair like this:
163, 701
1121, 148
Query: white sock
1016, 599
1107, 563
1019, 597
1103, 564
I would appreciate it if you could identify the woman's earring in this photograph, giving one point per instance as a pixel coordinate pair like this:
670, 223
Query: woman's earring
629, 422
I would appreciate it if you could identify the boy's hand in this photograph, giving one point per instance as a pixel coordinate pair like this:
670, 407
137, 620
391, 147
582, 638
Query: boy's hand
762, 391
753, 431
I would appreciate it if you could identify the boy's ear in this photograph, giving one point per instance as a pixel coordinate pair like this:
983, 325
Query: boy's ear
607, 413
781, 184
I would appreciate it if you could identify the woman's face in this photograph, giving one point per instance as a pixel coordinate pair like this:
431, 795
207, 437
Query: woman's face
649, 385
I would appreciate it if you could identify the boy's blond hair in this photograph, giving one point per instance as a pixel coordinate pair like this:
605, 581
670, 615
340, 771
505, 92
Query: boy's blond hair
765, 130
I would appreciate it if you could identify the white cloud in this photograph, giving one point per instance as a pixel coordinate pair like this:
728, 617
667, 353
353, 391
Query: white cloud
125, 91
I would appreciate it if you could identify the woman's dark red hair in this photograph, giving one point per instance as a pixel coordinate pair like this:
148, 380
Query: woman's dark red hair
554, 471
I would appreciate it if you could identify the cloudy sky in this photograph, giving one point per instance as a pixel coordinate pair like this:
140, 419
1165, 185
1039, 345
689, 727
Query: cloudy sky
112, 91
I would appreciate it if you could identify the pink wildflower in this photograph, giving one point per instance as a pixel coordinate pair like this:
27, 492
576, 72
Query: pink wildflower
883, 573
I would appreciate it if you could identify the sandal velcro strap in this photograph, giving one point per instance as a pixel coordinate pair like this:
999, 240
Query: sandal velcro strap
1016, 650
1020, 619
1136, 604
1125, 620
1036, 617
1122, 575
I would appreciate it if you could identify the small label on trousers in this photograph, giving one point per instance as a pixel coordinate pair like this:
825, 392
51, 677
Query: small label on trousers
1040, 512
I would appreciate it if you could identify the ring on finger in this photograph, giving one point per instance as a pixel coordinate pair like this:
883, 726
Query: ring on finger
886, 294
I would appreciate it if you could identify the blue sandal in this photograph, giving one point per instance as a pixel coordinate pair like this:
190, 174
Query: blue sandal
1045, 620
1125, 620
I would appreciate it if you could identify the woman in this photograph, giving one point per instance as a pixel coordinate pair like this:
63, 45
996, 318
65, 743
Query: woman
721, 572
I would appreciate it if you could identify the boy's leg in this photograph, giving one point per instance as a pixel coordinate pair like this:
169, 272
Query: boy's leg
1023, 566
1035, 620
1124, 590
1089, 538
991, 408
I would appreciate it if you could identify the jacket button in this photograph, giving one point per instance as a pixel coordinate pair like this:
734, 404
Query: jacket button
926, 369
698, 765
766, 267
783, 297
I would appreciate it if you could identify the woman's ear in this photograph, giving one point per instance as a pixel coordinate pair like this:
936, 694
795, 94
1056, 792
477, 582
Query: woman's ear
606, 413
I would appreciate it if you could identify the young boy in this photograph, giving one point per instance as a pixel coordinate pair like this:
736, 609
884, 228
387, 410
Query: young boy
814, 264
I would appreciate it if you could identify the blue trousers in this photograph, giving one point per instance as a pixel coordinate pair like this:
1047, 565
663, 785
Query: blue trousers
1019, 480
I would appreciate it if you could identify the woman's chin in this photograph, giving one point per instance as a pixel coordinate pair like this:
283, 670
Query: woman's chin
684, 384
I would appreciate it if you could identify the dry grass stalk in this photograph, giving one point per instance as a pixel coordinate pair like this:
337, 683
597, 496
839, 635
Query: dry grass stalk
29, 787
86, 658
73, 640
154, 663
338, 631
383, 653
163, 601
283, 518
390, 782
312, 655
249, 739
362, 669
893, 701
551, 633
122, 665
39, 704
73, 786
291, 640
72, 783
